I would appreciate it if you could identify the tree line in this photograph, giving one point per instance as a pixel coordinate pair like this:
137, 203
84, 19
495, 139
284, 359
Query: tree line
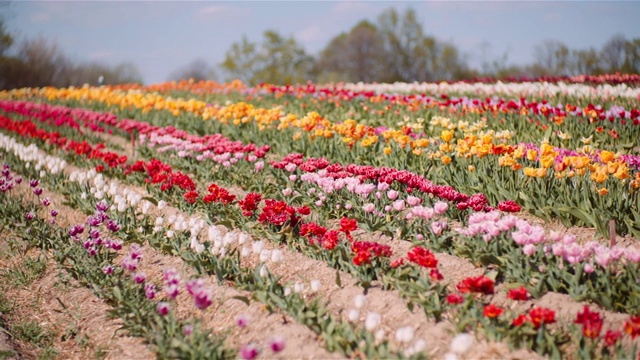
39, 62
392, 48
396, 48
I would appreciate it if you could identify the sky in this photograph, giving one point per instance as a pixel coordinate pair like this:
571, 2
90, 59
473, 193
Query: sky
160, 37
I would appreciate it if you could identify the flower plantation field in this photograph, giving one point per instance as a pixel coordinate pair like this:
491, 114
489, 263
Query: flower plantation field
432, 221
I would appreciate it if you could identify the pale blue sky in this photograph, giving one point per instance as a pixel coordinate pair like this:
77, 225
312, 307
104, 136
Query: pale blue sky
160, 37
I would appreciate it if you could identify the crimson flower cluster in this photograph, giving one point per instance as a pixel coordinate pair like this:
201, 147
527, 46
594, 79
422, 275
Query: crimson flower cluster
508, 206
519, 294
161, 173
538, 316
365, 250
347, 226
423, 257
218, 194
591, 323
250, 204
278, 213
319, 235
491, 311
479, 284
632, 326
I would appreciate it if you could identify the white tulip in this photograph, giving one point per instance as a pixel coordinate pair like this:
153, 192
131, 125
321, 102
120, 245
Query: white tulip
461, 343
360, 300
277, 256
372, 321
315, 285
353, 315
405, 334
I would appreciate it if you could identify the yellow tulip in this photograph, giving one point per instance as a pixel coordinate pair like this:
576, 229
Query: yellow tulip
546, 161
529, 171
603, 191
446, 147
518, 152
369, 140
446, 135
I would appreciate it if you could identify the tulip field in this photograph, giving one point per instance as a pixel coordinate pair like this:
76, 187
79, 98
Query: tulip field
204, 220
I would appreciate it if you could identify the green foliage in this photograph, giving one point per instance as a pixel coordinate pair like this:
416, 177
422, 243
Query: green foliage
277, 60
25, 272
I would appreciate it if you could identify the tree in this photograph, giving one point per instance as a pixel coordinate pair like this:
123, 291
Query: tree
613, 53
277, 60
404, 42
632, 59
197, 70
413, 56
585, 62
40, 63
6, 40
355, 56
552, 58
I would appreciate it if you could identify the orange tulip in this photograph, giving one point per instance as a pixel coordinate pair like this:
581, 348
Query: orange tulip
598, 177
606, 156
541, 172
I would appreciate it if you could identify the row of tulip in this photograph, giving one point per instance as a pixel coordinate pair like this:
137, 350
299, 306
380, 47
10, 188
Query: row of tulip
291, 163
368, 101
533, 315
561, 169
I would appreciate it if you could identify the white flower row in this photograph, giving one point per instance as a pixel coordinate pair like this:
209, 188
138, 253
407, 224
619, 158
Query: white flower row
515, 89
123, 198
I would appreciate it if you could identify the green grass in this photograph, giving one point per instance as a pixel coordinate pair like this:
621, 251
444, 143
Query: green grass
25, 273
30, 331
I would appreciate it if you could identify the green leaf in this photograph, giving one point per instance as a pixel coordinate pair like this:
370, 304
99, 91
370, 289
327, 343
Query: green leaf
244, 299
338, 281
117, 294
580, 214
151, 200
